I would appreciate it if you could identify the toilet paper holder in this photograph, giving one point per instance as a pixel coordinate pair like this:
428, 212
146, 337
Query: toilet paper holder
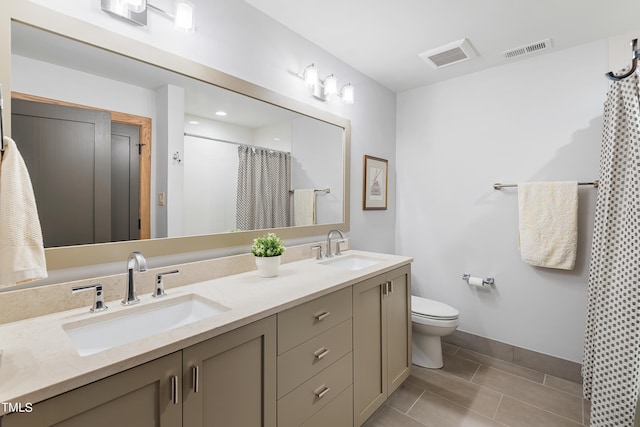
486, 281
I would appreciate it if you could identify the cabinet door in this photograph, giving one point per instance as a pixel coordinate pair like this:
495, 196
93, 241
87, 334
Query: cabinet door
142, 396
369, 342
230, 380
398, 301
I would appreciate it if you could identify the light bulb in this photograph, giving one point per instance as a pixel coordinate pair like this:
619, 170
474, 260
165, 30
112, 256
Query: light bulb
330, 85
184, 16
348, 94
311, 75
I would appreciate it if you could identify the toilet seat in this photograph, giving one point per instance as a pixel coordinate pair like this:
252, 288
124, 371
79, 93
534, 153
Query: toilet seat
430, 309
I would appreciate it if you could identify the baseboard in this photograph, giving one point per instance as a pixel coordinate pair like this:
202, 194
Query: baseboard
551, 365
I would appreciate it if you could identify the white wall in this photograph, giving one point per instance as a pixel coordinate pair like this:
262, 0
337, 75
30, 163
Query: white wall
235, 38
314, 164
534, 120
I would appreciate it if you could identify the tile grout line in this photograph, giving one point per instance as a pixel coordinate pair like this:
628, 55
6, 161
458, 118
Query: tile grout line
475, 373
512, 397
524, 402
480, 414
495, 413
414, 403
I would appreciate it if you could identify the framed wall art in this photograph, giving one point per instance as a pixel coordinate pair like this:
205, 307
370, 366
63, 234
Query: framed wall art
376, 177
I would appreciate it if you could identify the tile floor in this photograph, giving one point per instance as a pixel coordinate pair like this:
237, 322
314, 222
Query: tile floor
475, 390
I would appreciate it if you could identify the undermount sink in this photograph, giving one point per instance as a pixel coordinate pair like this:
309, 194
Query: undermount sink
351, 262
110, 330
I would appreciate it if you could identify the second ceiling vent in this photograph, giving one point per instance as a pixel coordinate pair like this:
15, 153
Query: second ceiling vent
529, 48
449, 54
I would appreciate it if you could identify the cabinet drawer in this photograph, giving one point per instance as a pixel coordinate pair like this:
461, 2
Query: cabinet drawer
337, 413
314, 394
306, 360
307, 320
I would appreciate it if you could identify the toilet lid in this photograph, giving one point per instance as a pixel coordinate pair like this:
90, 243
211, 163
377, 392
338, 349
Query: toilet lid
430, 308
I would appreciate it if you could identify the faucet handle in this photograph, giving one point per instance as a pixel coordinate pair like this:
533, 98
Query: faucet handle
98, 303
159, 292
319, 253
338, 243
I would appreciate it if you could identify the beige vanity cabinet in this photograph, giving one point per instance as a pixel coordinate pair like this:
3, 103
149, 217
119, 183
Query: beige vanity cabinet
146, 395
381, 339
230, 380
315, 362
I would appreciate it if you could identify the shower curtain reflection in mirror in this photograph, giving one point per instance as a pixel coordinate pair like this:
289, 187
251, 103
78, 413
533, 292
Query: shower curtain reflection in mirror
264, 180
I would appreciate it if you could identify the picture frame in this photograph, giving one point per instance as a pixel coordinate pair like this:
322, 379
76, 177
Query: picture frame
375, 183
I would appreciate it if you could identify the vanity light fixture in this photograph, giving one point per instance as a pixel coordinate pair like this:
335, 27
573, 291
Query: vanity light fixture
135, 12
323, 89
348, 94
311, 75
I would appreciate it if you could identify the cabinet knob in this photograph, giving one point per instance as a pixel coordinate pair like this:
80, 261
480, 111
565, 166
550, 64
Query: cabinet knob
322, 391
195, 378
174, 389
322, 316
319, 354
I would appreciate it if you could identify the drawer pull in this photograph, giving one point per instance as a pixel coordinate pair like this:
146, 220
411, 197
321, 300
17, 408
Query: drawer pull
322, 391
319, 354
174, 389
322, 316
195, 374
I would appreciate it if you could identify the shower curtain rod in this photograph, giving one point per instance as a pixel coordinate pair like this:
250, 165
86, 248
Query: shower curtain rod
498, 186
231, 142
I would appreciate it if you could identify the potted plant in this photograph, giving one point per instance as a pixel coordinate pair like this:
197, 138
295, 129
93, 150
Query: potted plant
268, 250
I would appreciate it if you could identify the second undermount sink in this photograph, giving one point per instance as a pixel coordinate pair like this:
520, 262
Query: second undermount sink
110, 330
351, 262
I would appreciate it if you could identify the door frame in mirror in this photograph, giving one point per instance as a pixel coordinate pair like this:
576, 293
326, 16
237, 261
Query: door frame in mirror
85, 255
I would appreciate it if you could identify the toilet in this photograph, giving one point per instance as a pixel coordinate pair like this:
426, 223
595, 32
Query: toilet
430, 321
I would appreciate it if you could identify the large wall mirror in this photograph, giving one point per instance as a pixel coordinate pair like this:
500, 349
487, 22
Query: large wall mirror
178, 139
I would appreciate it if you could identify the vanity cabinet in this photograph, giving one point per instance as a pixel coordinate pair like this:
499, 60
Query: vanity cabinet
315, 362
381, 339
140, 396
228, 380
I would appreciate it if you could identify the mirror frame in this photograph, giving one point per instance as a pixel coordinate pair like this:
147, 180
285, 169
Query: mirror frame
64, 25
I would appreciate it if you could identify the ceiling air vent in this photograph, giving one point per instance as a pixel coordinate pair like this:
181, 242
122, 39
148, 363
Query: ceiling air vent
449, 54
527, 49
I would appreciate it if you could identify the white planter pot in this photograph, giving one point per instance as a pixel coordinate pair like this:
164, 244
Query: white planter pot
268, 266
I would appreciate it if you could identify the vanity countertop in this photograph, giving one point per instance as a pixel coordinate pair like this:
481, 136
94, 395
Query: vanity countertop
38, 360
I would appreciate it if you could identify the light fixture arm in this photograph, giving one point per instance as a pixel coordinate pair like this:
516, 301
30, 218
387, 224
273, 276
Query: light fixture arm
160, 11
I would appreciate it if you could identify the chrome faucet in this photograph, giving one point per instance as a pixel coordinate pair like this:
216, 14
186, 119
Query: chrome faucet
135, 262
329, 254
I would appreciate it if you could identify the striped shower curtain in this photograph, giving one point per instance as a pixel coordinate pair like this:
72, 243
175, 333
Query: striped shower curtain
611, 363
264, 180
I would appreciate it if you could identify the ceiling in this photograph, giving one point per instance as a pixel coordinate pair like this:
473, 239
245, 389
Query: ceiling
382, 38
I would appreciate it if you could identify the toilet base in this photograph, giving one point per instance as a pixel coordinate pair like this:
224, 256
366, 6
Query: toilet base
427, 352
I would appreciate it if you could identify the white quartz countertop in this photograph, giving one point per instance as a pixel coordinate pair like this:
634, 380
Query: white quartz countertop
38, 360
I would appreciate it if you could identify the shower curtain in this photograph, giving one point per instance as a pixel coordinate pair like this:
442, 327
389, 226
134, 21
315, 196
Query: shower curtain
611, 362
264, 180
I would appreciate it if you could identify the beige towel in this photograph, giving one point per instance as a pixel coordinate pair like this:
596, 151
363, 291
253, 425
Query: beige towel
548, 223
304, 207
21, 248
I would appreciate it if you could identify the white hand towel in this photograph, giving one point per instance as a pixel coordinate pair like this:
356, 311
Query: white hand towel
548, 223
21, 248
304, 207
